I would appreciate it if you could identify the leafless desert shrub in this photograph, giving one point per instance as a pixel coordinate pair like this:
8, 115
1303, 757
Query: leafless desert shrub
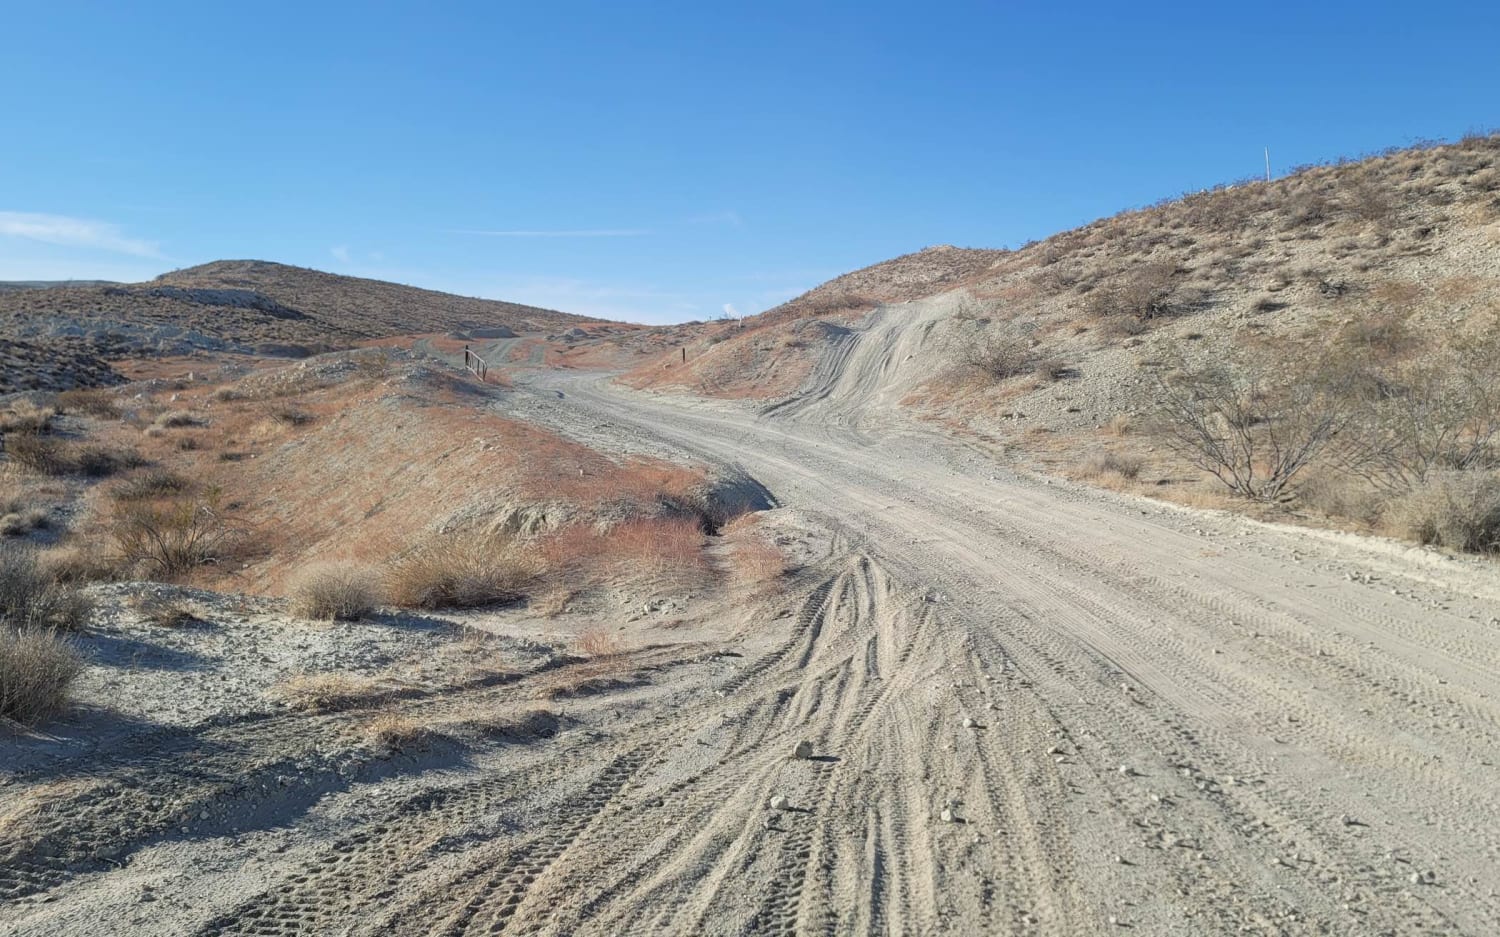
30, 599
172, 539
1252, 427
1337, 494
95, 401
1048, 370
995, 356
1456, 510
327, 692
37, 667
1441, 413
1104, 462
461, 571
1368, 202
335, 591
1143, 294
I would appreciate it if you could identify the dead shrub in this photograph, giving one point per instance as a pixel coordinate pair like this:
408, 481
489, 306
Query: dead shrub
1120, 424
165, 611
153, 483
23, 521
168, 540
327, 692
1456, 510
48, 456
1252, 425
335, 591
288, 416
79, 563
1047, 370
24, 418
997, 356
661, 544
394, 733
176, 419
31, 599
461, 571
1143, 294
37, 668
1105, 462
94, 401
597, 643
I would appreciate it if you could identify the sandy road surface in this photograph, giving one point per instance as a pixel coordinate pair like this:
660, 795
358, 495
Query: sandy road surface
1034, 709
1185, 723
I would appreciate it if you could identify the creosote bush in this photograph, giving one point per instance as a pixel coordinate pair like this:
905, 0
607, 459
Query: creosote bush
1456, 510
48, 456
168, 540
335, 591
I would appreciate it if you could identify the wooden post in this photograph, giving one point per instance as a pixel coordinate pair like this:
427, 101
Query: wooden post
684, 354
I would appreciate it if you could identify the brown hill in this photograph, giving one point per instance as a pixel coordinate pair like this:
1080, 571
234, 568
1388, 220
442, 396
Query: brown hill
242, 306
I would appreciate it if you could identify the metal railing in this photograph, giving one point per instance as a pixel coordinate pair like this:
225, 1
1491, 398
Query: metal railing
476, 365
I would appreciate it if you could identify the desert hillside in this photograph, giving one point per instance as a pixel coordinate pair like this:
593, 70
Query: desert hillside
238, 307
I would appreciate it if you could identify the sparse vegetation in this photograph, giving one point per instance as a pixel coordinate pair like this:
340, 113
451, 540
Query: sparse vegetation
1253, 430
152, 483
33, 600
997, 355
460, 571
327, 692
37, 668
48, 456
167, 540
1456, 510
95, 402
335, 591
24, 418
1105, 462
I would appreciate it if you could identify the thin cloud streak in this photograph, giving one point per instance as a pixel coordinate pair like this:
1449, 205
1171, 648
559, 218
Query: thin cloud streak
63, 231
581, 233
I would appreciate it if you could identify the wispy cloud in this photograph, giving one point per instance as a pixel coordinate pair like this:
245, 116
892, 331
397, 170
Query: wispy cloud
730, 310
576, 233
731, 218
340, 253
64, 231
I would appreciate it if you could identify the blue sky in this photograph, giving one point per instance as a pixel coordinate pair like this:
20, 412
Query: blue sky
666, 161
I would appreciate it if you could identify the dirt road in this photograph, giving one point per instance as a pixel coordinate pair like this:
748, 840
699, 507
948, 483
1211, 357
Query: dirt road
1032, 708
1181, 722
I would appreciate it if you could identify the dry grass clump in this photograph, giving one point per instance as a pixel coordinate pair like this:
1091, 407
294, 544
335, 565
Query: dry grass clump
755, 561
394, 733
26, 418
77, 563
327, 692
461, 571
16, 521
1103, 462
1455, 510
165, 611
335, 591
1120, 424
176, 419
31, 599
597, 643
95, 402
652, 546
150, 484
48, 456
37, 668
